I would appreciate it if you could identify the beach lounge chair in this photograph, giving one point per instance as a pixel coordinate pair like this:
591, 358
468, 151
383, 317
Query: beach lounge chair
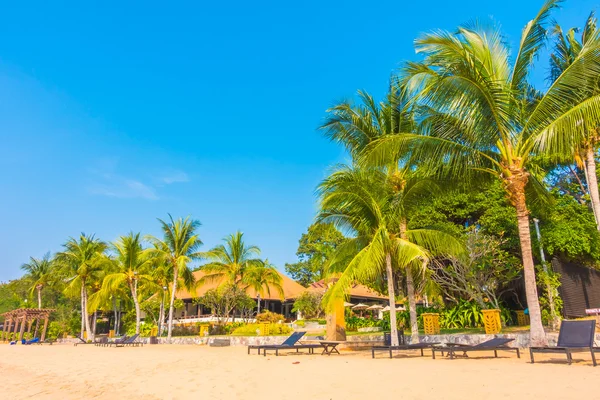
289, 343
109, 343
82, 341
32, 341
132, 341
403, 347
489, 345
574, 337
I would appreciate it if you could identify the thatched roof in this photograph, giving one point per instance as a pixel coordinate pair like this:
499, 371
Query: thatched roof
357, 290
291, 289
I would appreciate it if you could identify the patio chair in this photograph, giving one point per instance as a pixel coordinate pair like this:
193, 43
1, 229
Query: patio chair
494, 345
574, 337
289, 343
109, 343
402, 345
131, 341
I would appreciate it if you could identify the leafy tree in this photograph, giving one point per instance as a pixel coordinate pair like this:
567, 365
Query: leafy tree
224, 299
81, 261
238, 264
178, 248
40, 272
315, 249
482, 275
481, 116
309, 304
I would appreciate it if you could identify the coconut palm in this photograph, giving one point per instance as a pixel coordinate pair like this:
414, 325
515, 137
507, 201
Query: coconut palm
178, 248
237, 263
566, 50
363, 203
131, 264
480, 115
40, 272
357, 126
81, 261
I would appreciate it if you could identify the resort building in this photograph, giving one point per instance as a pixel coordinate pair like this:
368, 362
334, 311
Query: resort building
358, 293
269, 299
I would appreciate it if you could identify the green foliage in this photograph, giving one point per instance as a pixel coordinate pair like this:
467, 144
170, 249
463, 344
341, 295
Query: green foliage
315, 248
309, 304
549, 279
570, 231
269, 316
353, 323
145, 329
252, 329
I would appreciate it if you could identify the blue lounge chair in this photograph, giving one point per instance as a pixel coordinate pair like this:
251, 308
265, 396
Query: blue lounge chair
290, 341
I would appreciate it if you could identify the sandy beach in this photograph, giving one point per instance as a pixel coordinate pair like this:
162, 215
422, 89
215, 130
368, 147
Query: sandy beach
200, 372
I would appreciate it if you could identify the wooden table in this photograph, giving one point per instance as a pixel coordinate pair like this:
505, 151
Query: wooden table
329, 346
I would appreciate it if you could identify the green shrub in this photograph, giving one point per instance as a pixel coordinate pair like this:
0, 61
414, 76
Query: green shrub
268, 316
251, 329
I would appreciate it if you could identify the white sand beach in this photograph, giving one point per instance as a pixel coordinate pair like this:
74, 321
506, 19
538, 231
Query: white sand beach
200, 372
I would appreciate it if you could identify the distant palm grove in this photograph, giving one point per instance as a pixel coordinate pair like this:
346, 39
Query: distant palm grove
437, 207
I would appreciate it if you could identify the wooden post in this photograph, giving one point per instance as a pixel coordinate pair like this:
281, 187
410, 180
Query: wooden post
15, 328
22, 331
37, 325
6, 328
29, 324
44, 329
336, 323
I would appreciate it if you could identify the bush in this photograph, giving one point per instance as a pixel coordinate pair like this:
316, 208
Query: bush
268, 316
251, 329
309, 304
353, 323
145, 329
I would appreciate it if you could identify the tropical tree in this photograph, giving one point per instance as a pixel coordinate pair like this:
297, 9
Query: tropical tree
131, 265
237, 263
178, 248
566, 51
480, 115
363, 203
315, 248
81, 261
358, 126
40, 272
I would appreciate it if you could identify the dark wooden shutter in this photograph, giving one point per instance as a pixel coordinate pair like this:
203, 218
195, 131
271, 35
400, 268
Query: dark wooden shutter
580, 288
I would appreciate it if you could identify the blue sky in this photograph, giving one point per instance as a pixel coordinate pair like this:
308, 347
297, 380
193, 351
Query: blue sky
114, 114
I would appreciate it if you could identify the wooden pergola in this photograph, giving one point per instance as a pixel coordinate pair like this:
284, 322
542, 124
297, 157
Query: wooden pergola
16, 320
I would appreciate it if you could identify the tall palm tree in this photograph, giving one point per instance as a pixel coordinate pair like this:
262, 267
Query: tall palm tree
178, 248
40, 271
81, 261
238, 264
161, 276
131, 265
566, 51
357, 126
480, 115
363, 203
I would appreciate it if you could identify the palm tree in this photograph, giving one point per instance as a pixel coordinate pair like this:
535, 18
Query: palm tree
566, 51
130, 267
178, 248
81, 261
238, 264
161, 275
40, 272
480, 116
362, 202
357, 126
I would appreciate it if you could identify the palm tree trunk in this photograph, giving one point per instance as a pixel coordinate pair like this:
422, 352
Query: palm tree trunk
82, 312
392, 298
410, 292
161, 314
173, 290
136, 303
516, 186
39, 295
86, 317
592, 181
412, 306
116, 314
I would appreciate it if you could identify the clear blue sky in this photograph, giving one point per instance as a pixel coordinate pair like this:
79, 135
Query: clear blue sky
114, 114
